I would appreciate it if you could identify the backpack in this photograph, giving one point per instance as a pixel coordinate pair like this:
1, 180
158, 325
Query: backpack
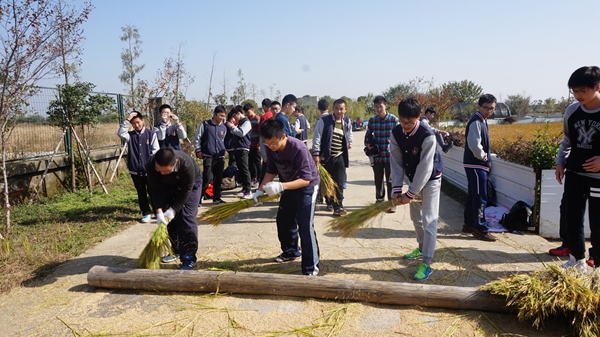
519, 217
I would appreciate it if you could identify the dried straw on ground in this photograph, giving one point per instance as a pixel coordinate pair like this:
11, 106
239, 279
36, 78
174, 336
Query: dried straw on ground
348, 224
327, 185
158, 246
552, 292
215, 215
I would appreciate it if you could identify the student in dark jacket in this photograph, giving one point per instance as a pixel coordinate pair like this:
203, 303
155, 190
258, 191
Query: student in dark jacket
240, 143
169, 130
209, 142
175, 182
142, 145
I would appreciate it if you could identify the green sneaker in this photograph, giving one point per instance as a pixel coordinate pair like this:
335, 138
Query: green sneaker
423, 273
415, 254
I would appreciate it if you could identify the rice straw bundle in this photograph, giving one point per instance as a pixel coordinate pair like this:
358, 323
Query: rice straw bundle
348, 224
218, 213
551, 292
158, 246
327, 185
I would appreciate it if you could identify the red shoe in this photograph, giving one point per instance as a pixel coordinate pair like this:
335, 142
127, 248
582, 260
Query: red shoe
560, 251
590, 261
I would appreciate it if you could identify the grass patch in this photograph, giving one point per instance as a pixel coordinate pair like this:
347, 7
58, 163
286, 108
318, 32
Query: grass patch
61, 227
453, 191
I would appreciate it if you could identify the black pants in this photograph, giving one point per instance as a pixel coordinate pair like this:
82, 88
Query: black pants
141, 186
476, 199
254, 161
183, 229
241, 159
337, 169
213, 170
378, 171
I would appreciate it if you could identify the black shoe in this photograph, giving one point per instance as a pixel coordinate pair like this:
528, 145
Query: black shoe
282, 258
218, 202
340, 211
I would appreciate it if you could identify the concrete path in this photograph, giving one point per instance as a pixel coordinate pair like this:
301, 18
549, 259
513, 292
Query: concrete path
64, 305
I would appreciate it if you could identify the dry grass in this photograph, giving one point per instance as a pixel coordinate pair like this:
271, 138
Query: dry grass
215, 215
511, 132
158, 246
348, 224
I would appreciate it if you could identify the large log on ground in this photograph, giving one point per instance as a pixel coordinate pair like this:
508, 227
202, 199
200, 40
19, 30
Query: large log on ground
332, 288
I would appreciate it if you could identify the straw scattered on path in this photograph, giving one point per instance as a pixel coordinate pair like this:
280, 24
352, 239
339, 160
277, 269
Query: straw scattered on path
216, 214
348, 224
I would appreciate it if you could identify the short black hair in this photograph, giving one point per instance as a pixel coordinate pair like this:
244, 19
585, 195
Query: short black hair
409, 108
248, 106
379, 99
299, 109
165, 157
138, 115
430, 109
164, 106
234, 111
272, 128
323, 104
289, 98
266, 102
219, 109
486, 98
587, 77
339, 101
275, 103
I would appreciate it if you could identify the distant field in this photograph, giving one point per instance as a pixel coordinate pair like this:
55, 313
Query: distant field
511, 132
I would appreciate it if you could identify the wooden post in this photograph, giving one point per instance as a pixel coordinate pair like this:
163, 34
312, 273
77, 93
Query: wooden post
333, 288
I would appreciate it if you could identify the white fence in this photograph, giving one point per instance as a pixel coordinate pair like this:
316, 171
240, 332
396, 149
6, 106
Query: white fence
512, 183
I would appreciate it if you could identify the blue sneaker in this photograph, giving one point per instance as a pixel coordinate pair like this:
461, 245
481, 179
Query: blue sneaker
187, 262
170, 258
423, 273
146, 218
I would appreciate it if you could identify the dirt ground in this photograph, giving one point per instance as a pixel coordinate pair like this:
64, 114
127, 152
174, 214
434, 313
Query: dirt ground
64, 304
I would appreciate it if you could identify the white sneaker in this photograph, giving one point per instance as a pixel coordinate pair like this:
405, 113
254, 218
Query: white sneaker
146, 218
577, 264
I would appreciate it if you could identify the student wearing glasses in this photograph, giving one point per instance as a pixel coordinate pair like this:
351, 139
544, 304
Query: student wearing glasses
477, 164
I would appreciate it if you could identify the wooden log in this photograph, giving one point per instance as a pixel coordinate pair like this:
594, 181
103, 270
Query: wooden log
332, 288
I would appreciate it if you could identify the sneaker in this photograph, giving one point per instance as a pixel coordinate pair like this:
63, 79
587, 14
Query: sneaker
255, 183
345, 186
240, 194
392, 209
415, 254
218, 202
447, 147
340, 211
379, 200
170, 258
560, 251
423, 273
574, 263
329, 208
590, 261
146, 218
467, 229
187, 262
483, 236
282, 258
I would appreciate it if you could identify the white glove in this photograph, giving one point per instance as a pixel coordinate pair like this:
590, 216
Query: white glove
160, 218
169, 215
273, 188
257, 194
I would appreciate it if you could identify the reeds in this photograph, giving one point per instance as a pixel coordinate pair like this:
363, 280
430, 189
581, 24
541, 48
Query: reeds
327, 185
348, 224
215, 215
552, 292
158, 246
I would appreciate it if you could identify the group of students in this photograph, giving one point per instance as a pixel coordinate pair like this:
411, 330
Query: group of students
407, 154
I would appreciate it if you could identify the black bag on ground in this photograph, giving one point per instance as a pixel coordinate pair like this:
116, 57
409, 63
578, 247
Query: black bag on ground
518, 218
491, 194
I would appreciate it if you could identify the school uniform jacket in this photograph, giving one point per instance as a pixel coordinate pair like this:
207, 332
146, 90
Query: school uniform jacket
477, 144
324, 133
142, 145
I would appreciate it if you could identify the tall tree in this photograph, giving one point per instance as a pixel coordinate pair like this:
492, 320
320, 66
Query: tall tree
30, 39
465, 91
519, 104
129, 56
210, 82
239, 93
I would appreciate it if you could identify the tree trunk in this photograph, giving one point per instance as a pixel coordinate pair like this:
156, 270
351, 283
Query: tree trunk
169, 280
5, 179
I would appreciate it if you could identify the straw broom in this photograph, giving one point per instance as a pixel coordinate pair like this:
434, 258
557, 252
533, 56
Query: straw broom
552, 292
158, 246
348, 224
327, 185
215, 215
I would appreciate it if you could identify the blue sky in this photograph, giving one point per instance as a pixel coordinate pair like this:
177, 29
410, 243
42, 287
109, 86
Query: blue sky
350, 48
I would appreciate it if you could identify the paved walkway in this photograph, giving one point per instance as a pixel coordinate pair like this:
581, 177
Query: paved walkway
65, 305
